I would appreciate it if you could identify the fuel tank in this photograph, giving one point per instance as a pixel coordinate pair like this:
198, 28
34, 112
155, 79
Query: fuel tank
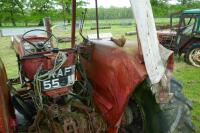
114, 72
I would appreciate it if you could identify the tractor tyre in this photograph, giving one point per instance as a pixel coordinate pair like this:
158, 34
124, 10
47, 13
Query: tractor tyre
192, 55
150, 117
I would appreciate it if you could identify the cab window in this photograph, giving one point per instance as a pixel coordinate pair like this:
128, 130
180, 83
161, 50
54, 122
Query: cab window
188, 24
198, 25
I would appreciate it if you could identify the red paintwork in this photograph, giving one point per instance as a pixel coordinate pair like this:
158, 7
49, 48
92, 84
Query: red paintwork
115, 72
31, 65
7, 117
3, 124
58, 91
170, 64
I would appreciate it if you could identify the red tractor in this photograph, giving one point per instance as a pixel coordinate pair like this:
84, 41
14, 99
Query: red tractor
97, 86
184, 38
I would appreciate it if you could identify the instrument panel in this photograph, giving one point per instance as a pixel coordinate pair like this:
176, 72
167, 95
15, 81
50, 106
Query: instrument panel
29, 49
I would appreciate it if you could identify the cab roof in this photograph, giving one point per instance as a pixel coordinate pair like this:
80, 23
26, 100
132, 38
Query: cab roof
192, 11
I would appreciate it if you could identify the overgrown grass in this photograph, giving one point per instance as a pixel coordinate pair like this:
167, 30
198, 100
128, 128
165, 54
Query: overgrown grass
7, 54
190, 77
187, 74
92, 22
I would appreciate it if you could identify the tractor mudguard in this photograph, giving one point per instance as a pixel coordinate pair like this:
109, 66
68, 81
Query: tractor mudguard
190, 45
196, 44
7, 117
114, 72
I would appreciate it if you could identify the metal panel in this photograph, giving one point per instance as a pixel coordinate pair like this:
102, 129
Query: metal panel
114, 72
7, 118
142, 11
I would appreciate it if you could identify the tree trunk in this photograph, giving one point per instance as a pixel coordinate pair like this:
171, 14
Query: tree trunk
12, 19
26, 23
184, 2
68, 11
64, 14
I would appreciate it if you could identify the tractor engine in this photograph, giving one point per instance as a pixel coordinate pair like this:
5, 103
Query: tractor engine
52, 100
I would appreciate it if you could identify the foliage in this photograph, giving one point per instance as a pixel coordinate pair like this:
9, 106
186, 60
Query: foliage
66, 7
183, 2
110, 13
161, 8
175, 8
33, 11
10, 10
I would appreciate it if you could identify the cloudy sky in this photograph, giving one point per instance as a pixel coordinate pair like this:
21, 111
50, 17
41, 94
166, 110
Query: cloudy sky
117, 3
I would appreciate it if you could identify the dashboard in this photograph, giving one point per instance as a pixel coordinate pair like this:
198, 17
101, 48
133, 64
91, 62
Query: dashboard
29, 49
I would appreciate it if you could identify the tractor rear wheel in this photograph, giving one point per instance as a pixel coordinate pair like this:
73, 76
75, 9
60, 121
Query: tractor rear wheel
192, 56
150, 117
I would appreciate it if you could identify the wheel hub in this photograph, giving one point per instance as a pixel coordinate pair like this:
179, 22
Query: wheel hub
195, 57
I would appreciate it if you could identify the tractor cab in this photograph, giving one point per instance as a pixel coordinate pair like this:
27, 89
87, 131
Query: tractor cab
183, 35
189, 27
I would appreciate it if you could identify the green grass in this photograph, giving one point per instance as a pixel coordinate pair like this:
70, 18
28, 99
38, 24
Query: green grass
190, 77
187, 74
7, 54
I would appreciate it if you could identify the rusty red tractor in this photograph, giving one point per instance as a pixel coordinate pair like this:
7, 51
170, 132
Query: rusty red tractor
92, 87
184, 38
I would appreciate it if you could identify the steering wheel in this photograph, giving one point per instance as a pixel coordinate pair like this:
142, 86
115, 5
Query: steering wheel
38, 46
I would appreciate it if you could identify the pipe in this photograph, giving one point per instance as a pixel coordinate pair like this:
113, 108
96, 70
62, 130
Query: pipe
47, 23
97, 19
73, 32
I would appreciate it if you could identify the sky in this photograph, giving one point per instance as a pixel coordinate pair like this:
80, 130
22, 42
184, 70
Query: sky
116, 3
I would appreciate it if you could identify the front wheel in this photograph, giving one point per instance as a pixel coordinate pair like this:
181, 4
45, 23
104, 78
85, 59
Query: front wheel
149, 117
193, 55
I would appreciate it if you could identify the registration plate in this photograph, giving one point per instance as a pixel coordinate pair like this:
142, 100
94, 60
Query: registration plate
62, 78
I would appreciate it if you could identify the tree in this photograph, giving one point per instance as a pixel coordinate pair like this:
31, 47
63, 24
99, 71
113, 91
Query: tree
11, 10
154, 2
184, 2
157, 3
40, 9
66, 6
23, 5
1, 13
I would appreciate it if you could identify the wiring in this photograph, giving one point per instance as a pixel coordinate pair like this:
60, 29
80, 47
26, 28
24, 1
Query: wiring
41, 76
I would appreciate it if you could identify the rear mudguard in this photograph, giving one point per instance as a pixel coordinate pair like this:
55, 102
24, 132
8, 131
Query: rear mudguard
7, 117
114, 72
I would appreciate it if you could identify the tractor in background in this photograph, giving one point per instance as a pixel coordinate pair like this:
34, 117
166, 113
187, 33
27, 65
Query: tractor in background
100, 85
184, 37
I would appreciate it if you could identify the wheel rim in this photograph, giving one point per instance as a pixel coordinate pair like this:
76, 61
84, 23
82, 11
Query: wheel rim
194, 57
